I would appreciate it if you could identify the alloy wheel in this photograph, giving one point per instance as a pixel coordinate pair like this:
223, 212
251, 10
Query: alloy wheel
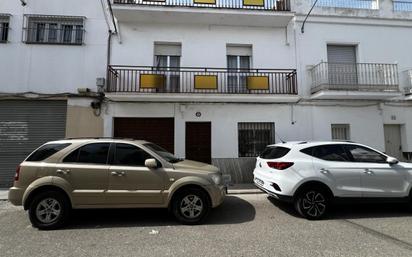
191, 206
314, 204
48, 210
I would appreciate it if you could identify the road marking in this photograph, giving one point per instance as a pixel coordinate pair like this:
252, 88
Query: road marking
380, 235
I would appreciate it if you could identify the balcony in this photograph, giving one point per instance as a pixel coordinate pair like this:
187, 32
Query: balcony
355, 81
402, 5
349, 4
145, 83
271, 13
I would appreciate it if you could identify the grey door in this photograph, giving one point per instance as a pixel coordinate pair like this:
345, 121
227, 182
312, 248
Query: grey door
393, 145
342, 68
24, 126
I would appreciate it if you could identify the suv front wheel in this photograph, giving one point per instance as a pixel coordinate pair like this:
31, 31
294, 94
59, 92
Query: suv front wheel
312, 203
191, 206
49, 210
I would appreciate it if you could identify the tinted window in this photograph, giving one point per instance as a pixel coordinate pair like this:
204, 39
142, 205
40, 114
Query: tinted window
130, 155
272, 152
328, 153
46, 151
73, 156
162, 153
91, 153
363, 154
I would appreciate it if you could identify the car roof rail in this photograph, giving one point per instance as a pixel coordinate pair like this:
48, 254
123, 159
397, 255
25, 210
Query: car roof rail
72, 138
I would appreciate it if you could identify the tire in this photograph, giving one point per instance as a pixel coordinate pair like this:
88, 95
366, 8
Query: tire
191, 206
49, 210
312, 203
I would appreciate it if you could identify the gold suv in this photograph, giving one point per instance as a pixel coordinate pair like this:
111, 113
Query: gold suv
111, 173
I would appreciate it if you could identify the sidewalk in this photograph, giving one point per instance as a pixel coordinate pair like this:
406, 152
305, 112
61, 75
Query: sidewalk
233, 190
4, 194
243, 189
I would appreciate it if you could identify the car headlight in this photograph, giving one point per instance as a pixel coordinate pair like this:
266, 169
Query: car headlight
216, 178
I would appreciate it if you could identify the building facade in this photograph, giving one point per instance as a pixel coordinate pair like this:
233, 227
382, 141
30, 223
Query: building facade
217, 80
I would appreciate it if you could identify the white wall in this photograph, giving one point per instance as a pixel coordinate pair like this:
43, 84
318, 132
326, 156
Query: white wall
53, 68
203, 45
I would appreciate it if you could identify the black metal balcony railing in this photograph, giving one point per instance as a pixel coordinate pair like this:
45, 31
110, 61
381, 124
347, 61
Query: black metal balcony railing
268, 5
402, 5
356, 4
355, 76
146, 79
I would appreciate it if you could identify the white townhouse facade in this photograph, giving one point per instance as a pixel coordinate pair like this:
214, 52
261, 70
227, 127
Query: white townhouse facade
217, 80
48, 49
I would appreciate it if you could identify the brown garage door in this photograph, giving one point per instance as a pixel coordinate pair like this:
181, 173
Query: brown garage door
157, 130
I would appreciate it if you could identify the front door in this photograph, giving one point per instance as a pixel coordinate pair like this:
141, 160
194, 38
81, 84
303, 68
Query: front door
393, 145
378, 178
130, 181
86, 170
198, 141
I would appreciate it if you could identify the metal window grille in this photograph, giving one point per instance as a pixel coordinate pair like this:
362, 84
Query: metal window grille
66, 30
340, 132
254, 137
4, 27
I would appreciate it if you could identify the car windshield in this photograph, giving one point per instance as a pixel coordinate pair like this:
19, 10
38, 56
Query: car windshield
163, 153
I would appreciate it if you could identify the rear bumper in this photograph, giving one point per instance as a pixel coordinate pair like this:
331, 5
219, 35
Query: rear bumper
16, 196
283, 198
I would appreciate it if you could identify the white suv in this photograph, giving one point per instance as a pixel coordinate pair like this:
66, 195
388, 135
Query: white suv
314, 174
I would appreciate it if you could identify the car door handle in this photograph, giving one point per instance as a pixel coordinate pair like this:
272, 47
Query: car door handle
368, 171
324, 171
118, 173
61, 171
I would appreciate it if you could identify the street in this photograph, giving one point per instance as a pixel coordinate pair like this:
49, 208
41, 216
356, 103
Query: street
245, 225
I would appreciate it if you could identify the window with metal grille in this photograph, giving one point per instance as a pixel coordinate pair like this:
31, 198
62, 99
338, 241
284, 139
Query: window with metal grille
340, 132
4, 27
66, 30
254, 137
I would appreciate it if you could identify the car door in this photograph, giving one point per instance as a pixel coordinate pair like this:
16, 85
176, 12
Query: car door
331, 163
378, 178
130, 181
86, 171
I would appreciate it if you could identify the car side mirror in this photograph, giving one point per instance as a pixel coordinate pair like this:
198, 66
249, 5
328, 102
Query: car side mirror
392, 160
151, 163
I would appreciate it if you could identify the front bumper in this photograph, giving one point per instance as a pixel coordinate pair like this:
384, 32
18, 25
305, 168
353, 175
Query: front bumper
16, 196
217, 194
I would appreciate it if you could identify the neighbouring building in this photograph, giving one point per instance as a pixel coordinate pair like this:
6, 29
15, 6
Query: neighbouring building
48, 49
214, 80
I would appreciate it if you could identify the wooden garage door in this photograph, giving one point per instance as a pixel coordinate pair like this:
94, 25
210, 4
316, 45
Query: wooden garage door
157, 130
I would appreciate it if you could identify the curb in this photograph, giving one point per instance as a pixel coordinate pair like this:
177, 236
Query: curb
244, 191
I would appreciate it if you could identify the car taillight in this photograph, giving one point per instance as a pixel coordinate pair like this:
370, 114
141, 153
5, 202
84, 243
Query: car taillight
280, 165
17, 175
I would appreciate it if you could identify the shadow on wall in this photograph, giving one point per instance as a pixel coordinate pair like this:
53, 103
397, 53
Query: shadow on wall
240, 169
234, 210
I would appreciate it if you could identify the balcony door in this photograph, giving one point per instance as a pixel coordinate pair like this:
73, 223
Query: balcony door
167, 60
342, 67
238, 64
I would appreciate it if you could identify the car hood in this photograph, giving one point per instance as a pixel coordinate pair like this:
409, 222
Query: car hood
194, 165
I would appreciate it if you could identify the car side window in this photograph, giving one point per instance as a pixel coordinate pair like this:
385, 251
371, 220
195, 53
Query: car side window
130, 155
328, 153
95, 153
363, 154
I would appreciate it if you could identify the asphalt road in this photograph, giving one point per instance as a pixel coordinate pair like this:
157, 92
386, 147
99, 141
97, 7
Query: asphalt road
245, 225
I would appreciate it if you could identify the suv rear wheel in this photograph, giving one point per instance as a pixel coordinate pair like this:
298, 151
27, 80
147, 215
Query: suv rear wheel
191, 206
312, 203
49, 210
